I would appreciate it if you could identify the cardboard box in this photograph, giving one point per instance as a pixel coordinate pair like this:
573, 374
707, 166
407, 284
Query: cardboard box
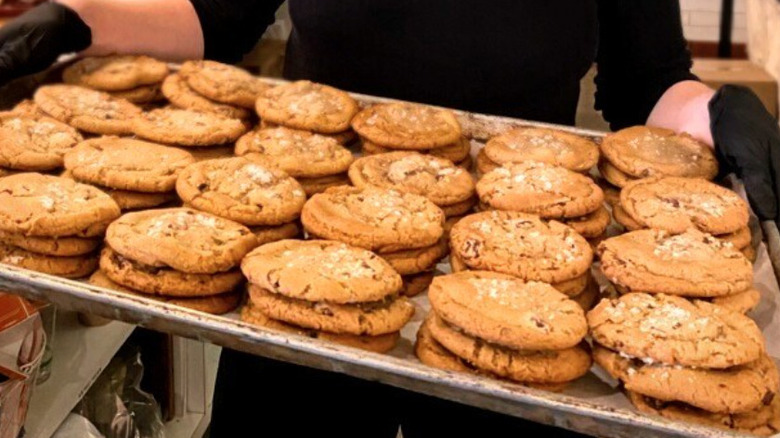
717, 72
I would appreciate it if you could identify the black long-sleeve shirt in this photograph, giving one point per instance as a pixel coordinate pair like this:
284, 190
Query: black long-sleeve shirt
521, 58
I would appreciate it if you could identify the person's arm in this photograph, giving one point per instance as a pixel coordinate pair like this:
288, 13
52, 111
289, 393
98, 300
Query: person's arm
169, 29
644, 78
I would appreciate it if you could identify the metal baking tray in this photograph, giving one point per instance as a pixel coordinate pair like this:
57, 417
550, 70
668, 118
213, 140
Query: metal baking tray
579, 408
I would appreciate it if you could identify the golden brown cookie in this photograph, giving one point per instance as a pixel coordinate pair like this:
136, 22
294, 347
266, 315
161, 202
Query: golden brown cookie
740, 238
378, 344
414, 261
539, 188
456, 152
522, 245
407, 126
68, 267
740, 302
88, 110
574, 286
416, 284
438, 179
506, 311
735, 390
127, 164
544, 145
141, 95
179, 93
343, 137
674, 331
182, 239
312, 186
542, 366
484, 164
432, 353
642, 151
614, 176
691, 264
299, 153
274, 233
321, 270
611, 193
223, 83
128, 201
372, 319
675, 204
187, 128
51, 246
163, 281
27, 107
591, 225
589, 296
623, 218
307, 105
750, 253
214, 304
460, 208
764, 421
377, 219
34, 142
251, 193
115, 72
48, 206
211, 152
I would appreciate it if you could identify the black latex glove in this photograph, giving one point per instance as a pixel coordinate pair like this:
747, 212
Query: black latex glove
747, 142
34, 40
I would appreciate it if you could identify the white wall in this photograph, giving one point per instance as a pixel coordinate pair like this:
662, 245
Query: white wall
701, 20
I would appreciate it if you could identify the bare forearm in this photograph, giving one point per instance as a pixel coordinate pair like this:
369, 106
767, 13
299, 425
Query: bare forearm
167, 29
684, 108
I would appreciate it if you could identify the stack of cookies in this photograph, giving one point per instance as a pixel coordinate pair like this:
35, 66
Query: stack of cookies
251, 193
137, 174
212, 87
31, 141
87, 110
642, 151
178, 254
496, 324
692, 264
675, 204
527, 247
445, 184
317, 161
308, 106
689, 361
549, 191
52, 225
405, 126
543, 145
327, 290
403, 228
133, 78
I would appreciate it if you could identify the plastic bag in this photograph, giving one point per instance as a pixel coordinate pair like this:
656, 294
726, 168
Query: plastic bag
117, 406
76, 426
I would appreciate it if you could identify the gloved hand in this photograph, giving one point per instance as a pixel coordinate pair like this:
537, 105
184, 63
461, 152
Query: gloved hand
747, 142
34, 40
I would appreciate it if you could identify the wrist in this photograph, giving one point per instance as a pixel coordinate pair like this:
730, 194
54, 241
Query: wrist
684, 107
